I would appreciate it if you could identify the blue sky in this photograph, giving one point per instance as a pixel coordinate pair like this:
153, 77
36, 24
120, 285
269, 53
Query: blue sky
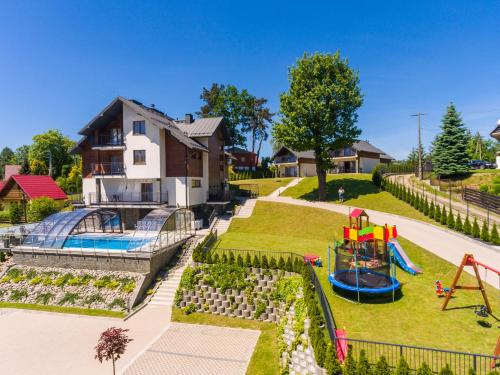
61, 62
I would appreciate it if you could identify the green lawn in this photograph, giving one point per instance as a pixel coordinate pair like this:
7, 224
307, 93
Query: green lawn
266, 185
265, 359
415, 319
62, 309
359, 192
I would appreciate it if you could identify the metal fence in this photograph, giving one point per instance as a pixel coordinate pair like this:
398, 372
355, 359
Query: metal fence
415, 356
482, 199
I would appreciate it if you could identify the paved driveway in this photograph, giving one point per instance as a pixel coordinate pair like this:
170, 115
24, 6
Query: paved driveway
197, 349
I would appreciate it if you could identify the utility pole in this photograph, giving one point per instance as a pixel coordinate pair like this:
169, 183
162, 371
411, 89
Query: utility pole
420, 162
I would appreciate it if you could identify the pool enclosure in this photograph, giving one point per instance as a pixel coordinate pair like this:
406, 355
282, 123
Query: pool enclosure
101, 230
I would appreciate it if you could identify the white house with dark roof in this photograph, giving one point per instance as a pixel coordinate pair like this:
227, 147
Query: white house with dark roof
361, 157
136, 158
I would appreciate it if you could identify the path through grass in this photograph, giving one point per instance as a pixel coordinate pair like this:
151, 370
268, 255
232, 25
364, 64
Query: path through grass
265, 358
415, 319
266, 185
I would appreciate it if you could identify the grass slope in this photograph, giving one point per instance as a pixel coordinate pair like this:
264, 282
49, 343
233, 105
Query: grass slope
359, 192
265, 359
62, 309
266, 185
415, 319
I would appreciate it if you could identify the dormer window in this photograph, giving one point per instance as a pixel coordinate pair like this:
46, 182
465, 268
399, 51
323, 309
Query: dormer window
139, 127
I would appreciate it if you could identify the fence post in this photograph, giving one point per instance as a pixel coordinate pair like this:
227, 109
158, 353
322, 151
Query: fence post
474, 364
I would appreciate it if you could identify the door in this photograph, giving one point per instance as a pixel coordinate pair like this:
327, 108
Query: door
147, 192
115, 164
115, 136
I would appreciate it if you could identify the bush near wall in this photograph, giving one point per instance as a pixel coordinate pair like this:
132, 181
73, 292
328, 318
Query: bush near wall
440, 214
40, 208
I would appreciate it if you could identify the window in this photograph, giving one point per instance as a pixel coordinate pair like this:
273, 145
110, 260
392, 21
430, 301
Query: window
196, 183
139, 127
139, 156
147, 192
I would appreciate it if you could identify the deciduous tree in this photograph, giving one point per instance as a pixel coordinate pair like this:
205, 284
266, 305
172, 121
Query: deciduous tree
112, 345
319, 110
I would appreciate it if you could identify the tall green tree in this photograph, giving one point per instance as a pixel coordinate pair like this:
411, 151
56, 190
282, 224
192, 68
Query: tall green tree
51, 146
449, 155
257, 118
6, 157
319, 110
230, 103
21, 157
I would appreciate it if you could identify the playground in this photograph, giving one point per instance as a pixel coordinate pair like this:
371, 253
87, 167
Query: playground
414, 318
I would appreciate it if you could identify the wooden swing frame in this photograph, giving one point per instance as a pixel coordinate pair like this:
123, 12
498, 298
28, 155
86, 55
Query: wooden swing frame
468, 261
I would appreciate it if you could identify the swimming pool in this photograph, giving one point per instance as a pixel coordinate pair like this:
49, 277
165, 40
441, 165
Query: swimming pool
105, 242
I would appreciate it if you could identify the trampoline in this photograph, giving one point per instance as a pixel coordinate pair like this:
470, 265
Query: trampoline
364, 281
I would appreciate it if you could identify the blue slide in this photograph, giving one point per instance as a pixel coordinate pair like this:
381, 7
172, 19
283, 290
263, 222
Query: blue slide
402, 258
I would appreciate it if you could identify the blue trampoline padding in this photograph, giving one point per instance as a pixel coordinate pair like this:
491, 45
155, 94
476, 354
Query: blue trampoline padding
395, 285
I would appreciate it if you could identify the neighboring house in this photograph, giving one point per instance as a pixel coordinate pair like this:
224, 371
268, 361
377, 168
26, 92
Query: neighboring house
496, 134
361, 157
243, 160
136, 158
23, 188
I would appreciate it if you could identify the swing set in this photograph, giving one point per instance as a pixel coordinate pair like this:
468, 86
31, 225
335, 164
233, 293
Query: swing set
469, 261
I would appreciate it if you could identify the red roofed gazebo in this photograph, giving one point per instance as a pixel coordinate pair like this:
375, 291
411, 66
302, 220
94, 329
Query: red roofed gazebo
20, 188
356, 218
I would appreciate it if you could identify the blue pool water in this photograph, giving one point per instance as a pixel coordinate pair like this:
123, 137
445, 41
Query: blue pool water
105, 242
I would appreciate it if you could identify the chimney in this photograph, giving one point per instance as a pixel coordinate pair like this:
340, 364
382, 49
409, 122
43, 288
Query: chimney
11, 170
188, 118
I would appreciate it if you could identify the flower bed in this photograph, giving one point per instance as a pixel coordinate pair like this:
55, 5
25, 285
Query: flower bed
66, 287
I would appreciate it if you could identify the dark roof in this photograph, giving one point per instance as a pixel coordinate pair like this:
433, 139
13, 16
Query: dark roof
309, 154
154, 116
36, 186
201, 127
496, 132
238, 150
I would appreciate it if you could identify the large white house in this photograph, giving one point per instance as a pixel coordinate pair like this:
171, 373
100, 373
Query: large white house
136, 158
361, 157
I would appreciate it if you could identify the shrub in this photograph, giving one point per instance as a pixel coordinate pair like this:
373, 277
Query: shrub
264, 263
189, 278
450, 222
189, 309
118, 302
216, 259
15, 213
458, 223
426, 207
18, 295
239, 260
437, 214
272, 264
467, 226
2, 256
256, 262
421, 204
44, 298
494, 235
248, 260
485, 232
424, 369
382, 367
403, 368
363, 364
208, 257
69, 298
431, 210
446, 370
416, 202
94, 298
289, 265
224, 276
4, 216
349, 365
444, 216
36, 280
231, 258
129, 287
332, 365
40, 208
259, 309
281, 264
377, 174
63, 279
224, 258
476, 233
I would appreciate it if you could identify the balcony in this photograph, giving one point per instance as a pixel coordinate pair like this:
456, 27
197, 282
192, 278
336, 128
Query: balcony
105, 141
108, 169
285, 159
121, 199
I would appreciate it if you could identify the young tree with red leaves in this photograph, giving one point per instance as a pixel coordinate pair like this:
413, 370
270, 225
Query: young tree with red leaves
112, 345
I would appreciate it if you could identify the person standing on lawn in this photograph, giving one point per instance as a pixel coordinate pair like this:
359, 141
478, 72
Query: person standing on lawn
341, 194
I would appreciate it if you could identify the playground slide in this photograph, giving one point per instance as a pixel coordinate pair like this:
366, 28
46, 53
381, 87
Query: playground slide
402, 258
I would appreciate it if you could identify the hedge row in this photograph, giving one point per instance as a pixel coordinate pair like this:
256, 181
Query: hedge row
440, 214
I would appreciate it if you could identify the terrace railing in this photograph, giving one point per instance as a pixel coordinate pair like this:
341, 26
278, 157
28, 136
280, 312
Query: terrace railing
105, 140
108, 169
132, 198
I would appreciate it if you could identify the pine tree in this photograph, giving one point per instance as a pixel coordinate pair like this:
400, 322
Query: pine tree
472, 372
431, 210
494, 235
412, 199
444, 216
403, 367
256, 262
248, 260
485, 232
458, 223
476, 233
467, 226
349, 365
437, 214
403, 197
216, 258
382, 367
363, 364
272, 264
424, 369
208, 258
231, 258
332, 364
264, 262
224, 258
239, 260
289, 265
450, 222
281, 264
449, 156
416, 202
446, 370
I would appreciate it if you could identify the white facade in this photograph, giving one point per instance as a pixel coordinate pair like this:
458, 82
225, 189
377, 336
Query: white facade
367, 164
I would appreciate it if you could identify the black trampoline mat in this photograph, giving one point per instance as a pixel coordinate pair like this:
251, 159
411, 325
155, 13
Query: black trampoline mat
365, 280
